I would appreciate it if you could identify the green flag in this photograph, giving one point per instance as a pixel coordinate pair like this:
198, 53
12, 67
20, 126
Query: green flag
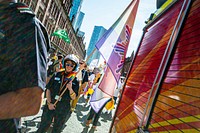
62, 34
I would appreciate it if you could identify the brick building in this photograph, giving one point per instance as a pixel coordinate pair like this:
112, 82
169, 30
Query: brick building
54, 15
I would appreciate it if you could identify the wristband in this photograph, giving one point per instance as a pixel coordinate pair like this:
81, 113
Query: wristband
48, 102
72, 94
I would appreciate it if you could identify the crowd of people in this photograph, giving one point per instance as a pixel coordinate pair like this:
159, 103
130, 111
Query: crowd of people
28, 71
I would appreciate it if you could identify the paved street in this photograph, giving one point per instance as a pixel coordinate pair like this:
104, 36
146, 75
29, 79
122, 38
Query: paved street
76, 122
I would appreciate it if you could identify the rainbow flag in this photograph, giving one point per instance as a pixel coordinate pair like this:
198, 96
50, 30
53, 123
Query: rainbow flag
113, 47
70, 76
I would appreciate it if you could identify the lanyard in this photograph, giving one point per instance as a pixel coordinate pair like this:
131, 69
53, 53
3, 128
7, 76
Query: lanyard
61, 88
62, 85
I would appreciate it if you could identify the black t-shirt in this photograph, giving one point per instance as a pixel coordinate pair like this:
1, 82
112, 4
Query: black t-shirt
23, 49
55, 84
85, 76
24, 44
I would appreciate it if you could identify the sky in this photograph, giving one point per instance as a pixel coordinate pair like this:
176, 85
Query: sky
106, 12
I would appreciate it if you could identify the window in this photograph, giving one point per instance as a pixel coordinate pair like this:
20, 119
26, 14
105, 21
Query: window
40, 14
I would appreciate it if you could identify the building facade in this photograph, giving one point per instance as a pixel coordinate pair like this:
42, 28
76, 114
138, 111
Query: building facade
96, 35
54, 14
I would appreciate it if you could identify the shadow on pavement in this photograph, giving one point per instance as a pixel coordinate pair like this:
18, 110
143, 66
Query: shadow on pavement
81, 99
106, 117
85, 130
30, 123
79, 114
92, 130
80, 109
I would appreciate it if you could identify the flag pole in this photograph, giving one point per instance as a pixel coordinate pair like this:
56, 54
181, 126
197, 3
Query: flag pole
91, 54
63, 92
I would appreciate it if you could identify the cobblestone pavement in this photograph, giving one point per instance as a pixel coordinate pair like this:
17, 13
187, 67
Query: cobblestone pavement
76, 122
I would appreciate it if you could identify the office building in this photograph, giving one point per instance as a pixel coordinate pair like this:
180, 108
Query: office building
96, 35
78, 22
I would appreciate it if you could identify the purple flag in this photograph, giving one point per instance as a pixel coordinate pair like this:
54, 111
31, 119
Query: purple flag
113, 47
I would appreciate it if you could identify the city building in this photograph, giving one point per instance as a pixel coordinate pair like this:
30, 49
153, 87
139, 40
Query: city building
74, 12
54, 14
81, 34
78, 22
96, 35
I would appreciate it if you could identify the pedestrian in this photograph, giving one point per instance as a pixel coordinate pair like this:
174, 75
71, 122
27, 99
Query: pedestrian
94, 117
24, 43
50, 69
85, 76
83, 80
93, 80
57, 84
118, 89
55, 66
58, 64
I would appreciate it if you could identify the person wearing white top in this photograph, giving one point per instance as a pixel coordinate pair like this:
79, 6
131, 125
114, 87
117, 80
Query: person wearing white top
118, 89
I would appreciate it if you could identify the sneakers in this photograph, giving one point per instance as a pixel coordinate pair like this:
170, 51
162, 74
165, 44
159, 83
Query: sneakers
51, 125
87, 100
94, 128
88, 123
19, 130
72, 109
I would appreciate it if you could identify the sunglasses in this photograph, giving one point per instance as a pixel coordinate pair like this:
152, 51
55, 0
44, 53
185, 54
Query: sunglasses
70, 65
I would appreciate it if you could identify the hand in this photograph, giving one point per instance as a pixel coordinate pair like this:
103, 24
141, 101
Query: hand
69, 85
51, 106
81, 92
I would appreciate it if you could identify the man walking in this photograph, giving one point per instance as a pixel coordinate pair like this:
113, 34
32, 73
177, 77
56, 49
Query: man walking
23, 57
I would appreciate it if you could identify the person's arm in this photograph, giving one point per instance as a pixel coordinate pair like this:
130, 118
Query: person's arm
33, 47
49, 87
73, 88
49, 103
48, 95
83, 86
23, 102
71, 91
57, 67
80, 89
85, 81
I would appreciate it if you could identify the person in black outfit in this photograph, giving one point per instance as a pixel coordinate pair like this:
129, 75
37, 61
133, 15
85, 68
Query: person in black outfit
93, 116
24, 43
85, 76
57, 84
83, 80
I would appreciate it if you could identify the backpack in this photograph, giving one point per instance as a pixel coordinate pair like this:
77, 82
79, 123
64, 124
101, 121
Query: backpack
51, 69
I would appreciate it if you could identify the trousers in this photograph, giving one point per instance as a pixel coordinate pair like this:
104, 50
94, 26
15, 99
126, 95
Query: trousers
93, 114
59, 114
